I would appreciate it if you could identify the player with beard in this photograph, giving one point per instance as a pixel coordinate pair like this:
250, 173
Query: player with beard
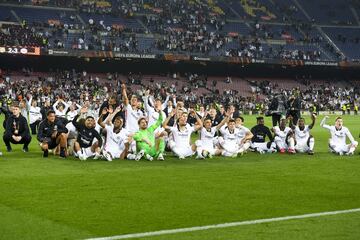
84, 147
304, 142
260, 132
146, 143
284, 138
116, 145
51, 134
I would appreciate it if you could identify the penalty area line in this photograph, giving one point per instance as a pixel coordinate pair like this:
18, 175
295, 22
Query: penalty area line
224, 225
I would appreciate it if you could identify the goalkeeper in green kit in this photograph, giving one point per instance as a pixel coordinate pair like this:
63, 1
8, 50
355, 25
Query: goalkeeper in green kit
146, 143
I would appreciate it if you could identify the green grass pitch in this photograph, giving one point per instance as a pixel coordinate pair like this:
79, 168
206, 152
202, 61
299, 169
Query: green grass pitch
67, 199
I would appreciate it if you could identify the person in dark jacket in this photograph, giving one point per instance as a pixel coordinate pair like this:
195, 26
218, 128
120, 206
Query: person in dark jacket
16, 130
278, 108
45, 109
258, 142
84, 146
294, 109
52, 133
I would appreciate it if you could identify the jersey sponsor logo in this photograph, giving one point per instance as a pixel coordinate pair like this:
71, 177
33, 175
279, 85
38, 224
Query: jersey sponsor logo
339, 134
85, 141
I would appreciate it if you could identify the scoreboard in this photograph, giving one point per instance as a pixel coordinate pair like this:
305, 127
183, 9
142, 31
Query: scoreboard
20, 50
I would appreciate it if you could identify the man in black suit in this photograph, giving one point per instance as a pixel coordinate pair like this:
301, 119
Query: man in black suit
17, 130
277, 108
294, 109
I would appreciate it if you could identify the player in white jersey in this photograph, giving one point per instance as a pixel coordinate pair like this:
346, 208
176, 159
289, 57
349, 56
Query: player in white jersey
304, 141
153, 114
181, 134
34, 114
244, 135
230, 141
133, 112
133, 115
284, 137
205, 145
60, 107
73, 111
337, 142
116, 144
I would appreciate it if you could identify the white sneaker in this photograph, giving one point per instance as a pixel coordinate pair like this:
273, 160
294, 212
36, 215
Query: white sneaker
199, 157
261, 151
149, 158
181, 157
273, 150
205, 154
160, 157
234, 155
107, 156
82, 157
341, 153
131, 156
97, 156
1, 153
139, 155
349, 153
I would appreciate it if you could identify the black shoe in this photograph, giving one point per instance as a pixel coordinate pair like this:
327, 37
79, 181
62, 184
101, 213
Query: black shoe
9, 149
25, 149
46, 153
62, 154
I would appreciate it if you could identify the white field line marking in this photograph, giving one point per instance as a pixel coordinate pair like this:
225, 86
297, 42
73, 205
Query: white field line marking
224, 225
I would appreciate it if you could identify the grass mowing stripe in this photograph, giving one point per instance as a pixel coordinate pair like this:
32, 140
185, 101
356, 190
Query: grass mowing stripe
225, 225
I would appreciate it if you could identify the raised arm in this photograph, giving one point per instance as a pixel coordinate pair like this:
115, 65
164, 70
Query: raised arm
323, 123
166, 101
124, 94
56, 104
28, 102
174, 100
198, 120
158, 122
146, 99
66, 106
82, 113
100, 120
165, 124
224, 121
313, 119
108, 120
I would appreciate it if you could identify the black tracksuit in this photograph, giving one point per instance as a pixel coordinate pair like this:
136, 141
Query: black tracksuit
17, 126
44, 111
46, 129
260, 132
86, 135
